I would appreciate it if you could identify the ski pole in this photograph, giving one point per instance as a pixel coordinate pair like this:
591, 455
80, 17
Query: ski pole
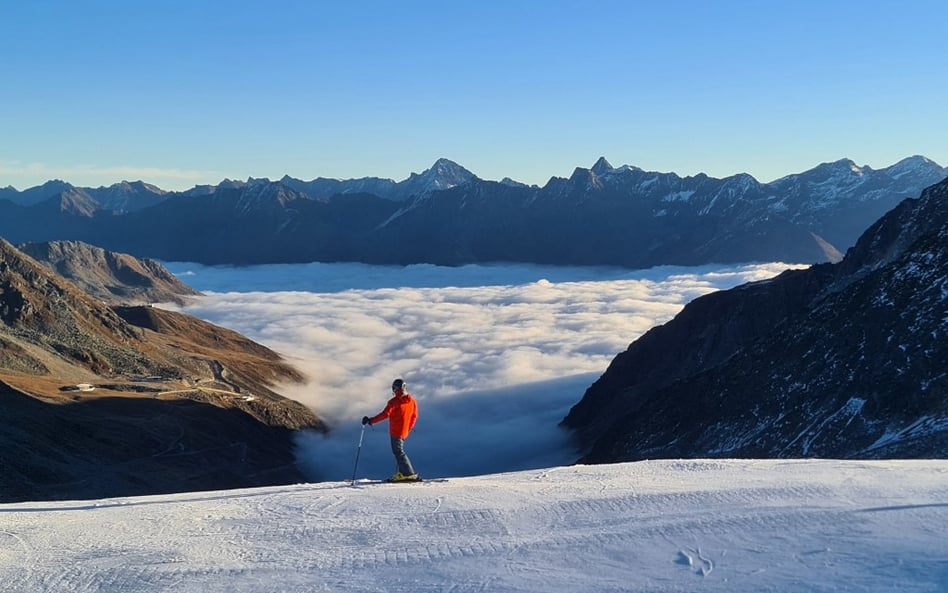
358, 451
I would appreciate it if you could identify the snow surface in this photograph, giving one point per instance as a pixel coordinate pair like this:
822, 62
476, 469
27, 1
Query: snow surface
657, 526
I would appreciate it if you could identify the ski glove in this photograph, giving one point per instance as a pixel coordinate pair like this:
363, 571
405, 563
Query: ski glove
365, 420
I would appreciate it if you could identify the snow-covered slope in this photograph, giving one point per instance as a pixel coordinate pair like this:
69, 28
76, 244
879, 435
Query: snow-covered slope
733, 526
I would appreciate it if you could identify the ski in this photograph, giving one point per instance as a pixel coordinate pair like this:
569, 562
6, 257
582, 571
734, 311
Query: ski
374, 482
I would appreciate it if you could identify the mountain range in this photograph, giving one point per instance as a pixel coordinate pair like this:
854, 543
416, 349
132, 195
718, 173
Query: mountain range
446, 215
846, 360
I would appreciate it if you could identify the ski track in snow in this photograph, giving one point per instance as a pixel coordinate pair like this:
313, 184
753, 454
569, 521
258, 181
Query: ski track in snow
708, 525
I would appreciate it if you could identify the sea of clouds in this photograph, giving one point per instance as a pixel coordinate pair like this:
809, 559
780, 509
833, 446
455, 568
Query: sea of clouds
495, 355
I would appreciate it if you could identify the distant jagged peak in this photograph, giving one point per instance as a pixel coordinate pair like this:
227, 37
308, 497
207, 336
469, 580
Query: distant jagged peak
914, 164
602, 166
226, 183
745, 180
911, 163
581, 174
142, 187
512, 182
915, 159
55, 184
846, 169
134, 186
826, 172
53, 187
267, 189
844, 166
443, 174
445, 169
630, 169
443, 165
206, 190
296, 183
265, 196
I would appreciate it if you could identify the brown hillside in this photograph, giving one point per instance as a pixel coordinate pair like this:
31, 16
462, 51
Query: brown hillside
86, 388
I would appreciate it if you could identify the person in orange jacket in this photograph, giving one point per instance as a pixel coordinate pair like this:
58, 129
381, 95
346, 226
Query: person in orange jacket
402, 413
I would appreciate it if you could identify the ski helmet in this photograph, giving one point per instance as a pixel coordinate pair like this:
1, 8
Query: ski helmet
398, 384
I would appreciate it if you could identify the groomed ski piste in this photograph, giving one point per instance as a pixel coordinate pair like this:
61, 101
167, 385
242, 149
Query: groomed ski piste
657, 526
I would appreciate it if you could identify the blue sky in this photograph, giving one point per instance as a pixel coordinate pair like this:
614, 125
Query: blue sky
180, 93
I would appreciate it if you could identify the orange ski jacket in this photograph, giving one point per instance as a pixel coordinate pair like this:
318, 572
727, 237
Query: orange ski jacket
402, 413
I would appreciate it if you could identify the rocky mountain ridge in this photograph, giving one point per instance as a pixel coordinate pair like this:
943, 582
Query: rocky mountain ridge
446, 215
846, 360
115, 278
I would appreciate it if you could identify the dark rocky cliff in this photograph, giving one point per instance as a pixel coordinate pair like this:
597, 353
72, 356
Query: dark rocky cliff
845, 360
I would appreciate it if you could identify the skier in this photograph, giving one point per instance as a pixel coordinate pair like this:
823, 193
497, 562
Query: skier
402, 412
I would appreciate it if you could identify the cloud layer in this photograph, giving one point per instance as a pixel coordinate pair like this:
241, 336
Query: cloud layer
496, 355
91, 175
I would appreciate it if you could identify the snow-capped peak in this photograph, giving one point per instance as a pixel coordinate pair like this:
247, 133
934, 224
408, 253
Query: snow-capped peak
443, 174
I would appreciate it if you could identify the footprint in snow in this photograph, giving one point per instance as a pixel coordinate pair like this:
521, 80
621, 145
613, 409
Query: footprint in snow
695, 561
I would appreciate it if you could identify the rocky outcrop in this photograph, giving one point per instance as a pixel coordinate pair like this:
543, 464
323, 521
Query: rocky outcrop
116, 278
